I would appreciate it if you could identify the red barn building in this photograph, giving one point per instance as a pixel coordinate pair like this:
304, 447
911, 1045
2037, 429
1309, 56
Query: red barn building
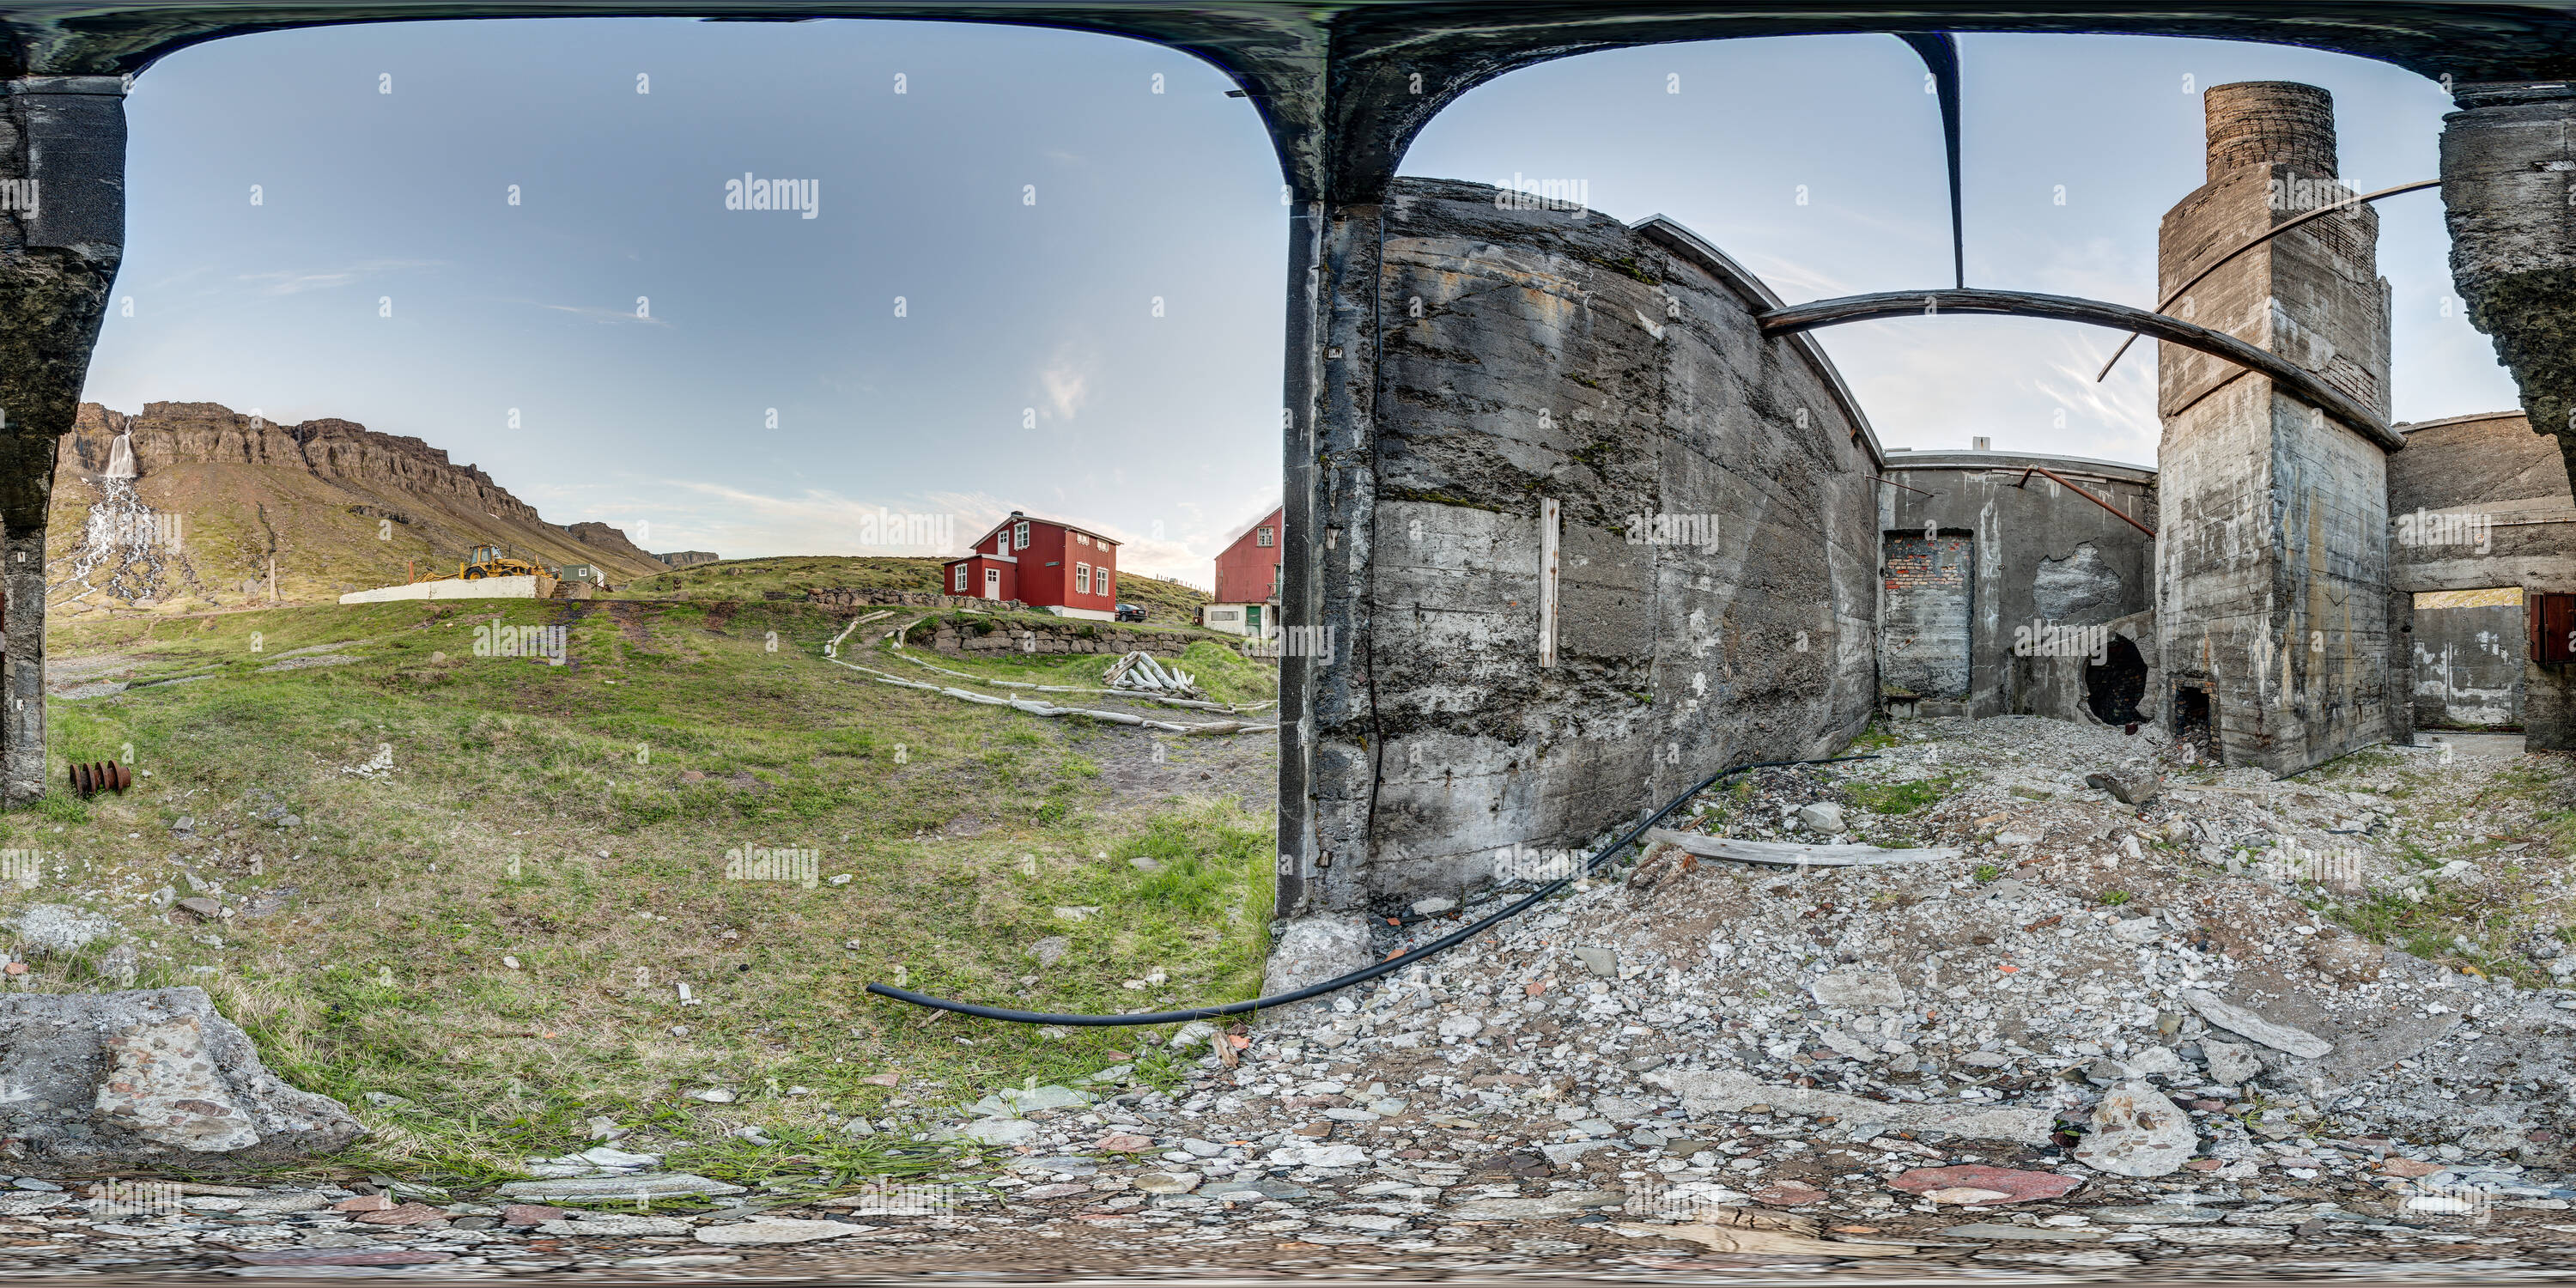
1044, 564
1247, 578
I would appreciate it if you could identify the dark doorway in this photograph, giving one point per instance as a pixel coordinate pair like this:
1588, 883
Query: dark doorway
2113, 686
2192, 723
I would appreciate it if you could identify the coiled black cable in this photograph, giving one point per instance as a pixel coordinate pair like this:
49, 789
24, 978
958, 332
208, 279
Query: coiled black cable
1365, 974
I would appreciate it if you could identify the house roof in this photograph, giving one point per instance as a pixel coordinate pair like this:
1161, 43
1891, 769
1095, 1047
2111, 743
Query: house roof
1245, 528
1018, 516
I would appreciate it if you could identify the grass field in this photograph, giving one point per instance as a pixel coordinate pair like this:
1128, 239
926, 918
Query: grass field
477, 884
1166, 601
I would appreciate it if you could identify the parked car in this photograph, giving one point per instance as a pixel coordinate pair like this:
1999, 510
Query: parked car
1131, 612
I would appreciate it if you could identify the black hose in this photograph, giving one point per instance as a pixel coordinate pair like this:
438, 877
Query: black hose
1365, 974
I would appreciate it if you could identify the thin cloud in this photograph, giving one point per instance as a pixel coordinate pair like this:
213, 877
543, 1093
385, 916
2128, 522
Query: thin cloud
598, 314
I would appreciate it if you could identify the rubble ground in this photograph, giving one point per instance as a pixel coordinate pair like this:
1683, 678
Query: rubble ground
2082, 1046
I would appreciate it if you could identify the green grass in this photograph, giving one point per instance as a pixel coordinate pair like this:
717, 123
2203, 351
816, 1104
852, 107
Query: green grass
1222, 672
1168, 602
578, 821
1900, 798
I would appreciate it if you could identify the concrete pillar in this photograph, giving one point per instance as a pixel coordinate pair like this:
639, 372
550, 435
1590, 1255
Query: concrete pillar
62, 231
1328, 747
2509, 195
2272, 557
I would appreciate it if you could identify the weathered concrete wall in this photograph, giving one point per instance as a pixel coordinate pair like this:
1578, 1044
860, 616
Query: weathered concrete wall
2509, 197
2477, 503
2272, 546
62, 150
1719, 538
2468, 658
2046, 567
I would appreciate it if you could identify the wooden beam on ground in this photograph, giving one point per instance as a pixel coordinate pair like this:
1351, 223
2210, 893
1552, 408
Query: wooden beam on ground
1786, 854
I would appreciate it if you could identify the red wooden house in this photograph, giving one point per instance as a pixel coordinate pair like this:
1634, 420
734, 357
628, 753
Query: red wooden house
1247, 578
1044, 564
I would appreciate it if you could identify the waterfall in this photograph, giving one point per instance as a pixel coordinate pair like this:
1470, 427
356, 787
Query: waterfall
126, 548
120, 459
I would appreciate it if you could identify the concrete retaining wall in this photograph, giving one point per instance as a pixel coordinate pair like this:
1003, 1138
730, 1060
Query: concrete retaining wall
1022, 637
529, 587
1717, 533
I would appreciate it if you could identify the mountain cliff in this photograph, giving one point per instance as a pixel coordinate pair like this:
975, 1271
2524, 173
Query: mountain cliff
216, 494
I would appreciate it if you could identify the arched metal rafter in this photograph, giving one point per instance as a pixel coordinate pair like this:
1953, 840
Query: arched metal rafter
2066, 308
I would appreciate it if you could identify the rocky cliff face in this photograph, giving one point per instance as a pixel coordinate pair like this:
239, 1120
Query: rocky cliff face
172, 433
227, 509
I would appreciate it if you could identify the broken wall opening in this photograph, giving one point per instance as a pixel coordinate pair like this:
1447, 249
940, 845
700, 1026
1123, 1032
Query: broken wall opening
2194, 721
1926, 616
2114, 686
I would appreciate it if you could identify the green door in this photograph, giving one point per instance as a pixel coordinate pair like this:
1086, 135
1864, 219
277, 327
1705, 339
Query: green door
1252, 620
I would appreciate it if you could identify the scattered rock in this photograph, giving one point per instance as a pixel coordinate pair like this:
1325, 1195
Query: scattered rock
404, 1214
611, 1189
612, 1225
767, 1230
2229, 1062
2131, 787
2222, 1236
2022, 1233
2006, 1185
53, 928
1727, 1091
2137, 1132
1000, 1131
1823, 817
1314, 949
2236, 1019
1857, 990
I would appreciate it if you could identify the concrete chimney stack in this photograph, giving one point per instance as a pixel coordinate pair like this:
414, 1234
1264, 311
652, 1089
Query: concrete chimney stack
2270, 123
2281, 641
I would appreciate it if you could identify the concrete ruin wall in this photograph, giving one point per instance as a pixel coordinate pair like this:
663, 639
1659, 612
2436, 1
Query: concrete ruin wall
1719, 537
2482, 503
2272, 542
2046, 567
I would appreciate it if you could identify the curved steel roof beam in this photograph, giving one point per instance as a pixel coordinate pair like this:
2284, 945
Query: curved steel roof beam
2066, 308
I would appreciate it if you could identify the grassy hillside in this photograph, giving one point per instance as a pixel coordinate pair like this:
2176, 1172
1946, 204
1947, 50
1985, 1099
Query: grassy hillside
1165, 601
477, 883
329, 537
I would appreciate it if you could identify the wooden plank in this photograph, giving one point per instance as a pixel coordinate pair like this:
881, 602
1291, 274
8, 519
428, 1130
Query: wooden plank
1789, 855
1548, 523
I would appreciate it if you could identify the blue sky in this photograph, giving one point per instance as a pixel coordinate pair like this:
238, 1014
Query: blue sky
1034, 203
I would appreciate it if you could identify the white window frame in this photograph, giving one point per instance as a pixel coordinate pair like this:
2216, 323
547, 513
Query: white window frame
1265, 537
1082, 578
961, 578
1020, 534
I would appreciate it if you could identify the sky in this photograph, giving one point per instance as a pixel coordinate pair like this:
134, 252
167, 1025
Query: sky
1047, 273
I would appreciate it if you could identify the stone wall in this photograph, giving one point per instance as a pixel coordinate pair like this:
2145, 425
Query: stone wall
2482, 503
843, 598
1718, 539
1071, 636
2048, 571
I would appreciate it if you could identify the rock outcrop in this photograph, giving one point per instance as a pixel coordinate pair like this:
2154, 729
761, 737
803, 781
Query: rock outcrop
166, 433
150, 1079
